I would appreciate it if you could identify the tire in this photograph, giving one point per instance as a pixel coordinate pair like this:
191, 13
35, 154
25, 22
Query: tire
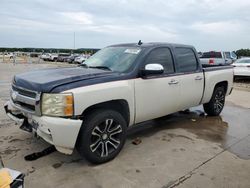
216, 103
102, 136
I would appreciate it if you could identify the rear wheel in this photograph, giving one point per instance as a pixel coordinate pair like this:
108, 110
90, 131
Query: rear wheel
102, 136
216, 103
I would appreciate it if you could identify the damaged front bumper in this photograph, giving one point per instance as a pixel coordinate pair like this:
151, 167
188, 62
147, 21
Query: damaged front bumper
60, 132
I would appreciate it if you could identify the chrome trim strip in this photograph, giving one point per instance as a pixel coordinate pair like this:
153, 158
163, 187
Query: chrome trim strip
25, 89
24, 99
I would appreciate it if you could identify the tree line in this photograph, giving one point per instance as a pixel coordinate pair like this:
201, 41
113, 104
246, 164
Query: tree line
243, 52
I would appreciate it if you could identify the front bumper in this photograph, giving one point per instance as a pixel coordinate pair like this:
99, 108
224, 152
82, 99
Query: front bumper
60, 132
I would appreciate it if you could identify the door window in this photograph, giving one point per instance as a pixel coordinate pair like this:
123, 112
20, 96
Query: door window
161, 56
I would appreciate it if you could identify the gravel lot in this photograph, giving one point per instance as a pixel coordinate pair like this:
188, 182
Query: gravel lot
179, 150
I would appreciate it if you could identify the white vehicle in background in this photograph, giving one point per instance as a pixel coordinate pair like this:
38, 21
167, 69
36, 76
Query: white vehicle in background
11, 55
80, 59
242, 67
217, 58
230, 55
45, 56
8, 55
53, 57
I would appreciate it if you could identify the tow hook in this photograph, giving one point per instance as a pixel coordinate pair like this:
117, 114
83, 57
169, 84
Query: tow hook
26, 126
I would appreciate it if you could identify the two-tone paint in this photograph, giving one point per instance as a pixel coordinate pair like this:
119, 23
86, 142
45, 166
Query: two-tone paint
146, 97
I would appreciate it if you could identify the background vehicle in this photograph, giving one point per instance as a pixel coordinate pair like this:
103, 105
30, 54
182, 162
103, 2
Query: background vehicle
80, 59
34, 54
53, 57
62, 57
242, 67
45, 56
216, 58
71, 58
230, 55
91, 106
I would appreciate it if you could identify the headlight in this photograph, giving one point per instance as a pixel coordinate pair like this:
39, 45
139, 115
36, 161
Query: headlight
57, 104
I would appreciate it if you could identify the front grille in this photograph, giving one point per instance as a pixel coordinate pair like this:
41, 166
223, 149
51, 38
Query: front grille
24, 92
26, 106
26, 100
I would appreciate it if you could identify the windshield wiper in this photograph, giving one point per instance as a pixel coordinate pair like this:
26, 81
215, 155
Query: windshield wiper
100, 67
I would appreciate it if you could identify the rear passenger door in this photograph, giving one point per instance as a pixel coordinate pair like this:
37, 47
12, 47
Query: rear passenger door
157, 95
191, 77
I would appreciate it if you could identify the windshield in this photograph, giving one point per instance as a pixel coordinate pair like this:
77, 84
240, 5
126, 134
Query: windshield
118, 59
234, 55
243, 61
228, 55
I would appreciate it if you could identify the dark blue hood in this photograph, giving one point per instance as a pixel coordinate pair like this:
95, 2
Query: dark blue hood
47, 80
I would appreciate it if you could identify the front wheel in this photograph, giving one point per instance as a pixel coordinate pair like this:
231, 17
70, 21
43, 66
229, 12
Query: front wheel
216, 103
102, 136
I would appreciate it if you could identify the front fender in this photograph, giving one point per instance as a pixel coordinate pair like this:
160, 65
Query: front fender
87, 96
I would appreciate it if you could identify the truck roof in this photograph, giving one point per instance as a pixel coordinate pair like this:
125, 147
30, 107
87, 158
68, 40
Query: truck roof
151, 44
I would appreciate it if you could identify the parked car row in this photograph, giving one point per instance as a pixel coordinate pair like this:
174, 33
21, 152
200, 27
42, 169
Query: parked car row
65, 57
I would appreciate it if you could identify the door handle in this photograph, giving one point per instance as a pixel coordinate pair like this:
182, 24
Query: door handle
173, 82
198, 78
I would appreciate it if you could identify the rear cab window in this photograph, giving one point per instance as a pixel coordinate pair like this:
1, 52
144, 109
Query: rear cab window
211, 55
186, 60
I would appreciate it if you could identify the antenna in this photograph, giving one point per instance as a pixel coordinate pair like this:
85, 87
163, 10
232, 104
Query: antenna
140, 42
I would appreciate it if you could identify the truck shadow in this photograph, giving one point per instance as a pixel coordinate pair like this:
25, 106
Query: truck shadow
225, 130
204, 127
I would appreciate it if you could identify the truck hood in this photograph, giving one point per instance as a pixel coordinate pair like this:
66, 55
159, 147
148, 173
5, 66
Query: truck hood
46, 80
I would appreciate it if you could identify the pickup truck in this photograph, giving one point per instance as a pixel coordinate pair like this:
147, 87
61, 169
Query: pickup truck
53, 57
91, 106
217, 58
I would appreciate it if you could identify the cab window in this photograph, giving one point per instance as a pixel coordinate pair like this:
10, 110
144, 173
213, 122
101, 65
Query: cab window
161, 56
186, 60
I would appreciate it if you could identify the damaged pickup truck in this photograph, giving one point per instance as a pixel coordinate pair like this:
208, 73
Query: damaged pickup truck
90, 107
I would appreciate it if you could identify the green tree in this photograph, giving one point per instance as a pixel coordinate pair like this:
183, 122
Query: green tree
243, 52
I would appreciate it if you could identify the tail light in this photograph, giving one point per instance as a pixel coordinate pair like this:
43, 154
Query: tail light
211, 61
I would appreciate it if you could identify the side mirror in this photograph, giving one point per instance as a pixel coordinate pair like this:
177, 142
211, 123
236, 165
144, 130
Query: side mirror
152, 69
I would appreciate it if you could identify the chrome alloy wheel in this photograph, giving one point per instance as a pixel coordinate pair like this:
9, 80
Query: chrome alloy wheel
106, 137
219, 101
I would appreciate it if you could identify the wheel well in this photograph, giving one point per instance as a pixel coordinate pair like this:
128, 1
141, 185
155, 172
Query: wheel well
120, 106
224, 84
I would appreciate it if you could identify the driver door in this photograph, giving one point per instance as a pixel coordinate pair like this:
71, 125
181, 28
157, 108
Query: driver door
157, 95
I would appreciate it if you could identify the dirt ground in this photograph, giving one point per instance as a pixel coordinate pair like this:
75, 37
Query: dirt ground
180, 150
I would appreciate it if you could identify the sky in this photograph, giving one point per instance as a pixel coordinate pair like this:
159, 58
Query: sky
206, 24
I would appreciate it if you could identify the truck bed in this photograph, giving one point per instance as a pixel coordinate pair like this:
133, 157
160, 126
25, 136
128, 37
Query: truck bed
214, 74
